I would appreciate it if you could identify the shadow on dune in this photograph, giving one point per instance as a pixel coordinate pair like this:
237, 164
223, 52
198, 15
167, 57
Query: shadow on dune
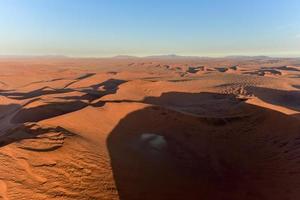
26, 132
158, 153
185, 100
296, 86
72, 103
263, 72
92, 92
287, 68
34, 93
109, 87
47, 111
42, 91
7, 109
82, 77
221, 69
288, 99
21, 115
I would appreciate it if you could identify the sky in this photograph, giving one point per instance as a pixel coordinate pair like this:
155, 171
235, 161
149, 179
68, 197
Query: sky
99, 28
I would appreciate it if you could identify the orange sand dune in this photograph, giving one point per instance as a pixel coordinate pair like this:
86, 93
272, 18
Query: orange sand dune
150, 128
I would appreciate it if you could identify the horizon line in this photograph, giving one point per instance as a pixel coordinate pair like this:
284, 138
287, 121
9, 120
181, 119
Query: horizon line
141, 57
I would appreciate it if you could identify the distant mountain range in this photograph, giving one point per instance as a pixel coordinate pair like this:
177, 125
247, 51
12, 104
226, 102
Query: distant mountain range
174, 56
169, 56
33, 56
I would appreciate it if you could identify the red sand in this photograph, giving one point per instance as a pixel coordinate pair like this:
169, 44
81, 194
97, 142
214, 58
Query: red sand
150, 128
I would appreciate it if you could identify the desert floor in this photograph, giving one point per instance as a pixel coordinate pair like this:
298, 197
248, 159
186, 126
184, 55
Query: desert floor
150, 128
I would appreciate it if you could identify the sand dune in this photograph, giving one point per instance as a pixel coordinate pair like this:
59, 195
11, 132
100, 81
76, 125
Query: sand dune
150, 128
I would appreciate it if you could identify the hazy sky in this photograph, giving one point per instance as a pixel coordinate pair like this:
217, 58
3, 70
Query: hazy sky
150, 27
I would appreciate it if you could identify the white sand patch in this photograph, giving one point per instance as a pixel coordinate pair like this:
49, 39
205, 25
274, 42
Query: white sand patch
152, 140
